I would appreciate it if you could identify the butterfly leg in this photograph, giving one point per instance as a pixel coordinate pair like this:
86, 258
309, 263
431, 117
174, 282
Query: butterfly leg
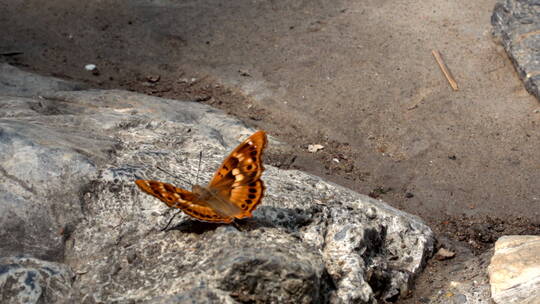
242, 225
167, 226
235, 224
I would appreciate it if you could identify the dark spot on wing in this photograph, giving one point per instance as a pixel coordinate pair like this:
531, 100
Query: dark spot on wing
169, 188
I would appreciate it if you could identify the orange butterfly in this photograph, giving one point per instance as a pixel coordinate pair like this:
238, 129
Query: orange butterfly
234, 192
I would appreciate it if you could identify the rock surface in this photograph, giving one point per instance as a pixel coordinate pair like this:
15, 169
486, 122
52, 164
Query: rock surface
68, 162
30, 280
44, 162
15, 82
516, 23
514, 272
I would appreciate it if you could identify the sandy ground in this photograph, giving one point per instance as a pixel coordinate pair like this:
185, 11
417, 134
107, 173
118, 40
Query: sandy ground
357, 77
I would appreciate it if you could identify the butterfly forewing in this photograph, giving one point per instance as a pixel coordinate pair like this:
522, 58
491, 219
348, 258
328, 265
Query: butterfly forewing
246, 157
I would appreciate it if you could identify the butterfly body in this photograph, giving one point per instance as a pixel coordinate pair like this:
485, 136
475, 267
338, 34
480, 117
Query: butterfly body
234, 192
214, 200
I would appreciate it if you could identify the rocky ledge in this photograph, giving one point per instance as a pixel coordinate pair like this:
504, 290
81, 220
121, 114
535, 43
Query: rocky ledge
516, 23
75, 228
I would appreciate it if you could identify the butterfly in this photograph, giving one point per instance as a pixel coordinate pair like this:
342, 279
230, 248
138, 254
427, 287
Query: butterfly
234, 192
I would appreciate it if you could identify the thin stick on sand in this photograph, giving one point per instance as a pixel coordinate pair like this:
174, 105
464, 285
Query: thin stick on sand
445, 70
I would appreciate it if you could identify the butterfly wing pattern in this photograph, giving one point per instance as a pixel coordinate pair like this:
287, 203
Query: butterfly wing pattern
182, 199
238, 179
234, 192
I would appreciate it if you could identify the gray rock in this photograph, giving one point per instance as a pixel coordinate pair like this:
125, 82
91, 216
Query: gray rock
514, 272
70, 159
16, 82
30, 280
43, 168
516, 23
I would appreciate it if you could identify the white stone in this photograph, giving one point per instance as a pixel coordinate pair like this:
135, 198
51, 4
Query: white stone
514, 272
90, 67
315, 148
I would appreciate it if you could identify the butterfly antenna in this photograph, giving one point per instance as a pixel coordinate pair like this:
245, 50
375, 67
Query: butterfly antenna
175, 176
198, 169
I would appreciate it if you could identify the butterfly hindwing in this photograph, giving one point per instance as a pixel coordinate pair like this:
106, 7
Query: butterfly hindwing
247, 196
185, 200
206, 214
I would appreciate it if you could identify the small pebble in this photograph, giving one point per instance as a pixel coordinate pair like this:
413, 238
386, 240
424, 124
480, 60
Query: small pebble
90, 67
315, 148
444, 254
153, 78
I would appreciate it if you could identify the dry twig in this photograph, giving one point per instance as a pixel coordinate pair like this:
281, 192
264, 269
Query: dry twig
445, 70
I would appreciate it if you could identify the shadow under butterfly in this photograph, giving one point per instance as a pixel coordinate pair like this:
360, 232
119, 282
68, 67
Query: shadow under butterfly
290, 220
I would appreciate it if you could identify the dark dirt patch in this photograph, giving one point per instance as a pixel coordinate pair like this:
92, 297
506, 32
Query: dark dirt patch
481, 233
